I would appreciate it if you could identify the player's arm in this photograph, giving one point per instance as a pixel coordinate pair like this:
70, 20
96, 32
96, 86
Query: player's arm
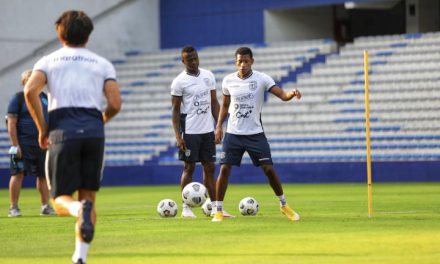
113, 96
176, 101
34, 86
12, 131
215, 106
221, 118
283, 95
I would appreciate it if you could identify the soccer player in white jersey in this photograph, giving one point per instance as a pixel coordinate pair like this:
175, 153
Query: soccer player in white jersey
78, 81
194, 112
243, 97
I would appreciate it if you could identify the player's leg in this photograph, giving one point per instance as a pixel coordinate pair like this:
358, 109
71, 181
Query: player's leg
232, 153
90, 175
187, 174
212, 184
275, 183
187, 177
85, 225
66, 205
15, 183
221, 187
89, 196
222, 183
274, 180
87, 214
259, 150
42, 188
209, 182
208, 177
38, 157
14, 193
41, 185
208, 157
190, 156
63, 167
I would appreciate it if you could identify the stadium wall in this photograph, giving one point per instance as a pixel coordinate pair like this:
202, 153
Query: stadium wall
397, 171
27, 33
298, 24
31, 29
210, 22
422, 15
323, 172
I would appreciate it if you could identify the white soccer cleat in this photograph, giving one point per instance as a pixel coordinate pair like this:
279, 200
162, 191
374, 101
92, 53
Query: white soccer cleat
188, 213
14, 212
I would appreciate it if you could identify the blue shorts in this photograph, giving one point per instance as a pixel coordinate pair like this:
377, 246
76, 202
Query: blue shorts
256, 146
199, 147
31, 163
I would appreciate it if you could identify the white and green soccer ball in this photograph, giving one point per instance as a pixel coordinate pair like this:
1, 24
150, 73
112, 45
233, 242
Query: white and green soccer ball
167, 208
194, 194
207, 207
248, 206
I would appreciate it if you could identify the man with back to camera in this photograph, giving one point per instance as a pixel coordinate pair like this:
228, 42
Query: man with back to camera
194, 112
243, 98
77, 81
26, 156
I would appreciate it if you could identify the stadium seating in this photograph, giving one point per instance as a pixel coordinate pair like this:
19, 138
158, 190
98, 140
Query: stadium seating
326, 125
404, 104
143, 132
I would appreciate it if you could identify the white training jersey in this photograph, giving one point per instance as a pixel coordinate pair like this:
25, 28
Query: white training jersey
247, 97
196, 100
75, 78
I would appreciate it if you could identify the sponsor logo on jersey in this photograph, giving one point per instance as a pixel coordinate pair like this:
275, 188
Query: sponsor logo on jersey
202, 111
243, 97
201, 103
245, 114
77, 58
200, 95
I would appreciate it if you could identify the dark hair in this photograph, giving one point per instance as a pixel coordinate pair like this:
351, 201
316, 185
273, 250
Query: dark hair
74, 27
244, 51
188, 49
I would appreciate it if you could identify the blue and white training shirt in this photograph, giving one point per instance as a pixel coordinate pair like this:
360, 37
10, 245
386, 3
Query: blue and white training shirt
75, 82
247, 98
195, 91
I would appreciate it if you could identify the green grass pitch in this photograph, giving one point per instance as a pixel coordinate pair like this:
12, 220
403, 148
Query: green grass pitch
335, 228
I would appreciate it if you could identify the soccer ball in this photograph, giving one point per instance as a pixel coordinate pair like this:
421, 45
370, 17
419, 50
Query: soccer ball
167, 208
248, 206
194, 194
207, 207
